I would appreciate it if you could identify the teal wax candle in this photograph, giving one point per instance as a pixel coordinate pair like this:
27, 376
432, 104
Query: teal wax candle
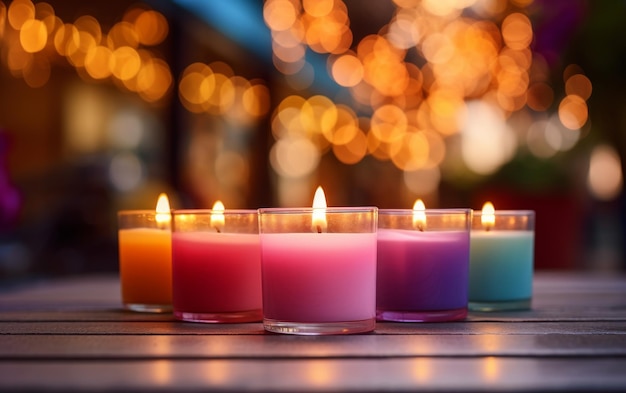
501, 261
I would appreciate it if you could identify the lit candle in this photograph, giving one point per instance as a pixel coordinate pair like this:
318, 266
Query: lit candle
319, 269
216, 265
423, 264
501, 259
144, 241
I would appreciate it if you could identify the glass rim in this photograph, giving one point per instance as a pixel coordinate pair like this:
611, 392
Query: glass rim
506, 213
443, 211
309, 210
225, 212
140, 211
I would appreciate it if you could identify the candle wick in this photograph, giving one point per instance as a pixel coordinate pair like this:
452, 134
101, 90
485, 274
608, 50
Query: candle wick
218, 230
420, 227
487, 229
319, 229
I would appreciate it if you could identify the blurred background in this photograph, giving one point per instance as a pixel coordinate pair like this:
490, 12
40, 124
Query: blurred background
104, 104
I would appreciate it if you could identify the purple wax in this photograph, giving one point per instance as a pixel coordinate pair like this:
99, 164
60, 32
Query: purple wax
422, 271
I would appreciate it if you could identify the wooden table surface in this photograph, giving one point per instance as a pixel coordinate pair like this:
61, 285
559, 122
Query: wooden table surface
72, 335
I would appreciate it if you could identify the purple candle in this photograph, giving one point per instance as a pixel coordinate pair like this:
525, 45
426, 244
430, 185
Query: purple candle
423, 268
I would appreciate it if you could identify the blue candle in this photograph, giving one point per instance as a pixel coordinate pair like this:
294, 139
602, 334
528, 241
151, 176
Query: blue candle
501, 261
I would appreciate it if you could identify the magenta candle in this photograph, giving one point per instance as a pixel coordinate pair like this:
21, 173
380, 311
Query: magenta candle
423, 268
216, 268
319, 279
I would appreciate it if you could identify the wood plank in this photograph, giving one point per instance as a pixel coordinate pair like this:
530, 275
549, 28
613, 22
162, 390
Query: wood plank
278, 346
188, 328
363, 375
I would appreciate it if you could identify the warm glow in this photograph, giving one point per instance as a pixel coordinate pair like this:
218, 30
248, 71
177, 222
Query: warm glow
33, 35
347, 70
319, 211
163, 216
419, 215
488, 217
320, 373
605, 179
491, 369
217, 216
573, 111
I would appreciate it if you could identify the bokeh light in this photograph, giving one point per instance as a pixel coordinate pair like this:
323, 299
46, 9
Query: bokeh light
605, 178
36, 37
473, 71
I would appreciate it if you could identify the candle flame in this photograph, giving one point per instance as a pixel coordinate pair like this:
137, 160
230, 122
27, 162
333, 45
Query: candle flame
419, 215
319, 211
488, 217
217, 216
163, 213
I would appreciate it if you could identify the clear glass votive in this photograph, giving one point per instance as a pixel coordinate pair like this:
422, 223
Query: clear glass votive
216, 266
319, 278
423, 265
501, 260
145, 260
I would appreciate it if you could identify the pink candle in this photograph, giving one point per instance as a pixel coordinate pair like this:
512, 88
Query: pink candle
319, 269
319, 277
216, 276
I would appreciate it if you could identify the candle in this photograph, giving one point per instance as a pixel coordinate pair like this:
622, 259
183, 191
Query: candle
216, 265
319, 269
501, 260
144, 242
423, 264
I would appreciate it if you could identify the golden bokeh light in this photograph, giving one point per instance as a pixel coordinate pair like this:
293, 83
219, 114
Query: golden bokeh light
119, 55
151, 27
573, 112
406, 90
353, 151
19, 12
388, 123
97, 62
33, 35
122, 34
213, 88
517, 31
125, 63
279, 14
605, 178
579, 85
347, 70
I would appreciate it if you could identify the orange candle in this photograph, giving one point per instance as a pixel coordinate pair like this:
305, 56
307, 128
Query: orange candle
145, 257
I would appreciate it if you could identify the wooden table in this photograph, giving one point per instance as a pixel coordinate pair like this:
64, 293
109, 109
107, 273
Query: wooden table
72, 335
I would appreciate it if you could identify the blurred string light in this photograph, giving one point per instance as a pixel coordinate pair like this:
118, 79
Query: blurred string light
474, 69
33, 37
215, 89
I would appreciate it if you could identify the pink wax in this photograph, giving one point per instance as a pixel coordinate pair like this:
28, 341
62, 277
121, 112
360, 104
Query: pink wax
422, 270
319, 277
215, 272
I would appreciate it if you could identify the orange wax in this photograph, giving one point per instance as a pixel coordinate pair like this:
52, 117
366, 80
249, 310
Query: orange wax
145, 266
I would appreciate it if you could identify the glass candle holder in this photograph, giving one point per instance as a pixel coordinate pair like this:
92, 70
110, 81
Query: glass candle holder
216, 267
423, 265
501, 260
145, 258
319, 278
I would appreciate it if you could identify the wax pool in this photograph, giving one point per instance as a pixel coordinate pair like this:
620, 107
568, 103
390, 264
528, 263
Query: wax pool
319, 277
422, 270
216, 272
145, 266
501, 265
